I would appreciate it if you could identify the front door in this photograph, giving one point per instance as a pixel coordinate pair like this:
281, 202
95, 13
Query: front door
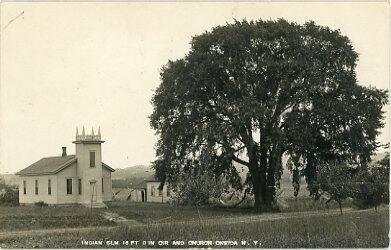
93, 192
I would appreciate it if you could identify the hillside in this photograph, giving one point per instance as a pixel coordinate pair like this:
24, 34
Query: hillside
138, 171
134, 176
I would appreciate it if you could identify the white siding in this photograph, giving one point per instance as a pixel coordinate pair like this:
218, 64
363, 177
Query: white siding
31, 197
68, 173
107, 185
156, 197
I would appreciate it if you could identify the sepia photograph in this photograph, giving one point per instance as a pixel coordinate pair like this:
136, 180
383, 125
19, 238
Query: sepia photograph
179, 124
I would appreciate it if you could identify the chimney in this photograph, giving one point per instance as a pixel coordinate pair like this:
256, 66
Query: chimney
64, 151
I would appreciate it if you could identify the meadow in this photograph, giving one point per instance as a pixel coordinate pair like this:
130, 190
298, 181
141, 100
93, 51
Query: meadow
355, 228
32, 217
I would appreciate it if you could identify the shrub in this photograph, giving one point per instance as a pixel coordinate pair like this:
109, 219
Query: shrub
373, 185
40, 204
9, 196
198, 188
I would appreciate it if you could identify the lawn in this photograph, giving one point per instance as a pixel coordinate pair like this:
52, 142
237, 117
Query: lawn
158, 212
357, 229
33, 217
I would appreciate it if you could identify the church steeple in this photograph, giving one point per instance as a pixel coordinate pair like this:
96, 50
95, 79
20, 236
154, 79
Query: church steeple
88, 138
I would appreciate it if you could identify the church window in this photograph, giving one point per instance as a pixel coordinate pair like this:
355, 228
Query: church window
49, 186
36, 186
160, 191
79, 186
102, 187
69, 186
92, 159
24, 187
153, 191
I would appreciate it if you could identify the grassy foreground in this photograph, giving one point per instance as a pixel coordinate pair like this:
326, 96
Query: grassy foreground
33, 217
158, 212
360, 229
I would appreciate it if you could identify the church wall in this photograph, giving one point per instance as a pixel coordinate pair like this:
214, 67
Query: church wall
153, 196
68, 173
107, 185
89, 174
30, 196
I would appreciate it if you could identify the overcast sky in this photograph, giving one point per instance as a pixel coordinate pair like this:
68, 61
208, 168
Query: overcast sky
97, 64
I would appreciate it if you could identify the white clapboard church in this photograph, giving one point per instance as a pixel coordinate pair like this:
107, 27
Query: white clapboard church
81, 178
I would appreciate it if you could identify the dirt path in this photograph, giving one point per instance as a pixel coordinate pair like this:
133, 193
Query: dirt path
121, 221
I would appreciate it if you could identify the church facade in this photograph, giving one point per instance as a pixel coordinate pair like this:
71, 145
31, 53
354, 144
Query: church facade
81, 178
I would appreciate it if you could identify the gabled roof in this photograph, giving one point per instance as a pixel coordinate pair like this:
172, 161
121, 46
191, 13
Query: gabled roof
151, 178
52, 165
48, 165
108, 167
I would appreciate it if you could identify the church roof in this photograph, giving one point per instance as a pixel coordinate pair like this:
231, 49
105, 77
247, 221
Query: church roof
52, 165
108, 167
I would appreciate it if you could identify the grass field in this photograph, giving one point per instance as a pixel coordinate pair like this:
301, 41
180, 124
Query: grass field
353, 229
155, 213
33, 217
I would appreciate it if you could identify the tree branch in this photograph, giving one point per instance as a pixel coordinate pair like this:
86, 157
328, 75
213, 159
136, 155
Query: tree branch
240, 161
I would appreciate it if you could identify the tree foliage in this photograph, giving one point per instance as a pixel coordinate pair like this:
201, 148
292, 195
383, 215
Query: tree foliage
9, 196
250, 92
197, 188
373, 184
337, 181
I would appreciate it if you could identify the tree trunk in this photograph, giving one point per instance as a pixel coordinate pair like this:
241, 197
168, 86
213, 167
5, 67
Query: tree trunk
274, 157
257, 194
340, 206
256, 179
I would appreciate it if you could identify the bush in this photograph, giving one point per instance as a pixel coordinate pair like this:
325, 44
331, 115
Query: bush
198, 188
40, 204
9, 196
373, 185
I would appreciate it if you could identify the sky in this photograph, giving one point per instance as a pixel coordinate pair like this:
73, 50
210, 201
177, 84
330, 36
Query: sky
64, 65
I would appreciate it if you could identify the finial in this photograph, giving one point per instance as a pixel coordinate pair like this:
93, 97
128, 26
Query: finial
84, 132
99, 132
92, 131
77, 132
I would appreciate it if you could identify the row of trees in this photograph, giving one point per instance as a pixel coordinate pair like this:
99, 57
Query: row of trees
368, 187
255, 92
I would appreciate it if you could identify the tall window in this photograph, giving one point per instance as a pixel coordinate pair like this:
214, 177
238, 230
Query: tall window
69, 186
160, 192
36, 186
49, 187
24, 187
153, 191
92, 159
103, 190
79, 186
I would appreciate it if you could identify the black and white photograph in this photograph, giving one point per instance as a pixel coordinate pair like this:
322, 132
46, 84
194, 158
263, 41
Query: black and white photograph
180, 124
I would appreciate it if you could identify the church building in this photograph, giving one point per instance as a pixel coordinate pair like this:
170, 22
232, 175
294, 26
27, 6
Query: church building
81, 178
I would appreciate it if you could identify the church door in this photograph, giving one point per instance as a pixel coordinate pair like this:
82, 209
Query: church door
93, 192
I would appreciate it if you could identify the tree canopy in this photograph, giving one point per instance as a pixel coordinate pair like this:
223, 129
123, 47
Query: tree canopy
253, 92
